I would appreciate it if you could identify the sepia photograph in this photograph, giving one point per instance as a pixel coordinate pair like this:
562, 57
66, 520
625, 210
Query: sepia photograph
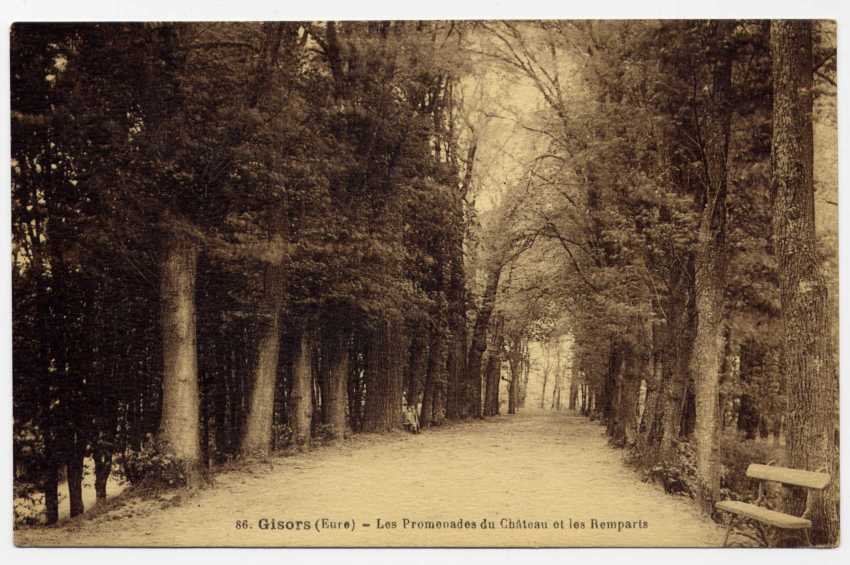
450, 283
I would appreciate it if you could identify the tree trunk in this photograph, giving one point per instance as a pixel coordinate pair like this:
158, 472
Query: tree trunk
526, 369
479, 339
455, 360
573, 391
335, 393
75, 482
384, 385
179, 424
102, 469
543, 390
431, 377
676, 359
416, 367
612, 389
515, 361
51, 491
438, 407
710, 261
492, 375
257, 434
301, 390
630, 395
807, 349
455, 346
652, 420
556, 393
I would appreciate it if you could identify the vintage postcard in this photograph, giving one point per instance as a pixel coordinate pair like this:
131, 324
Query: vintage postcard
425, 283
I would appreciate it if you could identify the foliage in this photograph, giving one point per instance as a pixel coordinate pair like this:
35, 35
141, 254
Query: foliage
736, 456
153, 466
676, 471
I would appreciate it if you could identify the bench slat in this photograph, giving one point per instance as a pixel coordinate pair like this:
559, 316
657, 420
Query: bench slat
796, 477
771, 517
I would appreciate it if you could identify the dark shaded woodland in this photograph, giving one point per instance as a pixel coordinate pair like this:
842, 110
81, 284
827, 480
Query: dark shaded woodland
236, 238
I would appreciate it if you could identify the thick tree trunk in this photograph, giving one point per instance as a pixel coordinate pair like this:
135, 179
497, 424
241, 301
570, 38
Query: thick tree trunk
710, 262
492, 376
460, 396
440, 385
629, 397
493, 370
612, 388
416, 367
102, 470
455, 362
50, 487
807, 349
438, 414
456, 385
257, 434
435, 356
385, 380
335, 393
301, 390
513, 388
526, 369
676, 359
179, 424
479, 339
75, 483
652, 420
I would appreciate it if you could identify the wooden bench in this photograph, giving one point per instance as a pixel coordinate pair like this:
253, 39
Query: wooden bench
810, 480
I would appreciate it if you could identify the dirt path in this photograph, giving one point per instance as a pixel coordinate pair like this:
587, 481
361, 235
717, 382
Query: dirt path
545, 469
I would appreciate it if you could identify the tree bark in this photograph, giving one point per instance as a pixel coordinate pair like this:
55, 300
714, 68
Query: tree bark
455, 363
543, 388
515, 361
257, 434
479, 339
573, 387
676, 359
416, 367
385, 381
653, 412
492, 375
75, 483
179, 424
335, 394
51, 492
431, 377
102, 470
807, 349
630, 392
612, 389
301, 390
710, 262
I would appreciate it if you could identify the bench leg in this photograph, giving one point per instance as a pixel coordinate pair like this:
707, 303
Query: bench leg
729, 530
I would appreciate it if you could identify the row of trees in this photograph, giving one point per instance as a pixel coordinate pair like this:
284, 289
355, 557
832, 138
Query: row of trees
240, 236
675, 192
228, 238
